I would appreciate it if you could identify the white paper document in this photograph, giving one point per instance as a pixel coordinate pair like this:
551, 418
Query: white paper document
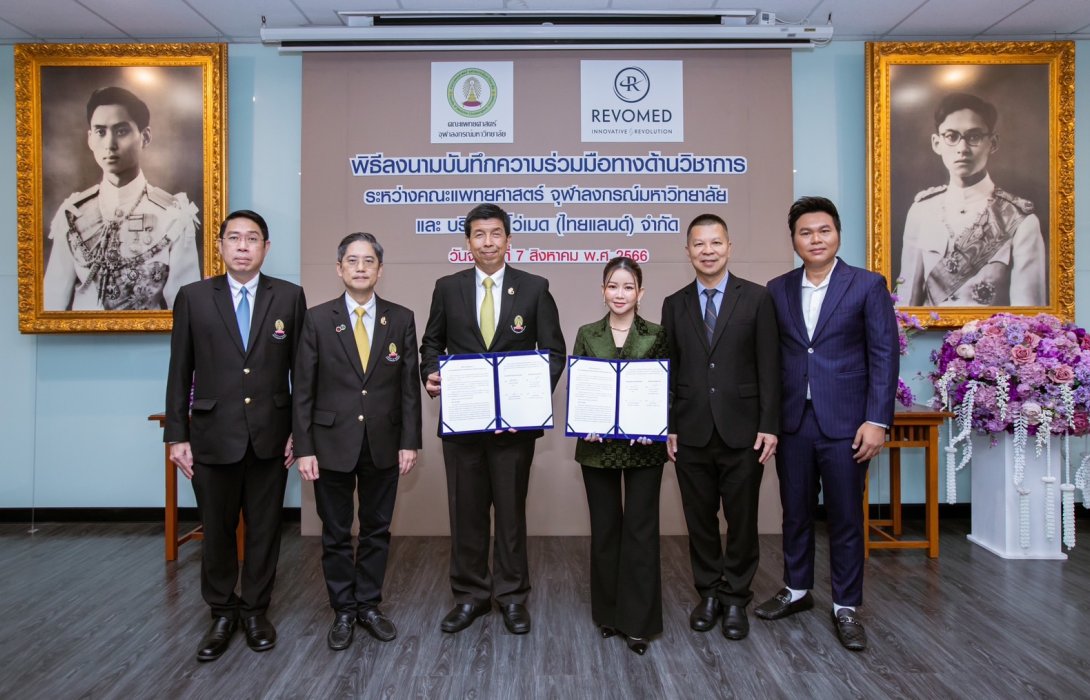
618, 398
495, 391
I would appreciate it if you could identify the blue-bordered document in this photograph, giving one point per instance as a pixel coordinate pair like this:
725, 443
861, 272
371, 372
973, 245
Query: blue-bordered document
495, 391
618, 398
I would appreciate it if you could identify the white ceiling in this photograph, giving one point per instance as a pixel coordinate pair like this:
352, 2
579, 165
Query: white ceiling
240, 20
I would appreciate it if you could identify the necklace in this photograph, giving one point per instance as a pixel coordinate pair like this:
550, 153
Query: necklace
620, 330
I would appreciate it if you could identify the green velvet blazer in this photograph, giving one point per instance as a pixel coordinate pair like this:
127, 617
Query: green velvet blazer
646, 341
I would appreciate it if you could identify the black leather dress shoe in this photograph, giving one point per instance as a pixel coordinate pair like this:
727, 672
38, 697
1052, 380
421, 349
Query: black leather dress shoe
637, 644
606, 631
516, 618
735, 622
260, 633
781, 605
216, 640
341, 631
704, 615
849, 630
463, 615
377, 624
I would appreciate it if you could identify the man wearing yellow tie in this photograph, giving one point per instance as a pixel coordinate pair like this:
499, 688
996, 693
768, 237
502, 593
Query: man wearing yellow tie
357, 429
489, 308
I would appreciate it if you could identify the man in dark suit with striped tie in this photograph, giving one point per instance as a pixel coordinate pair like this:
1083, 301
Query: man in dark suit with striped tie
491, 307
724, 419
838, 346
357, 429
228, 422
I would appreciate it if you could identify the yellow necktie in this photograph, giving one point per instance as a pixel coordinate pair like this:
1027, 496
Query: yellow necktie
488, 314
363, 344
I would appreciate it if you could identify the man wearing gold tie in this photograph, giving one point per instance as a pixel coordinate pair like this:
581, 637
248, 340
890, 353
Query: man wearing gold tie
489, 308
356, 422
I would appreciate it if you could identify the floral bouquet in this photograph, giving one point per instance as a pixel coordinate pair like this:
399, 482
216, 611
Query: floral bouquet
907, 326
1026, 375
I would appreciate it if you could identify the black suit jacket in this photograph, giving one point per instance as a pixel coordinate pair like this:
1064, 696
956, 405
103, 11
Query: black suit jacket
239, 396
453, 327
733, 385
337, 404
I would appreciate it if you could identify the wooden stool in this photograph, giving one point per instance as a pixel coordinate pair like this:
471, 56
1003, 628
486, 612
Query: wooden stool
911, 428
170, 510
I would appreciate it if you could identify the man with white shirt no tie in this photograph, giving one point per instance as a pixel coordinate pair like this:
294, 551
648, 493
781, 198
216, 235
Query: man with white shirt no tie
839, 354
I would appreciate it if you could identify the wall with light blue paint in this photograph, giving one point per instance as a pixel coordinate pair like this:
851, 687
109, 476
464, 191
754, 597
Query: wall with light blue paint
73, 427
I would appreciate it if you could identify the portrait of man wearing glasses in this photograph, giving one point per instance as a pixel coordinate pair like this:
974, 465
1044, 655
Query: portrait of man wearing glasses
969, 242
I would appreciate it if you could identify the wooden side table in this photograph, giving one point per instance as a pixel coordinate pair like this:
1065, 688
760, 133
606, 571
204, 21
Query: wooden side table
170, 509
915, 427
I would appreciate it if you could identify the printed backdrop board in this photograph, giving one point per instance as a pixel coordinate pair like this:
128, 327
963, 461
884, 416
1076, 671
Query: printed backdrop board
404, 144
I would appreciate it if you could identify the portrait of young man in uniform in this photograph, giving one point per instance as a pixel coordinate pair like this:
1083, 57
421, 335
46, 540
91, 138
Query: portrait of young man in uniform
122, 244
969, 242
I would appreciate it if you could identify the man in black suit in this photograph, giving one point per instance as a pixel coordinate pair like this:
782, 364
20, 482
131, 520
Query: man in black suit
724, 419
489, 308
228, 411
357, 429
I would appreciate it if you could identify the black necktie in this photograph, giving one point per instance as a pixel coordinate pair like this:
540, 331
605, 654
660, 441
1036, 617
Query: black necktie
709, 314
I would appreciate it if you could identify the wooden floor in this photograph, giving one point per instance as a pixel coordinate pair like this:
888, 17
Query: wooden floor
92, 611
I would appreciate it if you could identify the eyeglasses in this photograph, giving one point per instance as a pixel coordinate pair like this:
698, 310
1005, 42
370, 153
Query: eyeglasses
973, 138
352, 262
236, 240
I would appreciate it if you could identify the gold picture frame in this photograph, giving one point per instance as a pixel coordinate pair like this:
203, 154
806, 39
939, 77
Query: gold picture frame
114, 216
952, 251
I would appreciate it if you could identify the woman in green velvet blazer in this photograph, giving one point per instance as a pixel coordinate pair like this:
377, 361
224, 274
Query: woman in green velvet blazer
625, 578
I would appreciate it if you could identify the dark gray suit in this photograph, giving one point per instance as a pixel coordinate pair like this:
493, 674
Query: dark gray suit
486, 470
355, 423
723, 394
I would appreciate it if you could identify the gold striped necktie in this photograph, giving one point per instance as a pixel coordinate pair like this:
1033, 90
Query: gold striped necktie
363, 343
488, 314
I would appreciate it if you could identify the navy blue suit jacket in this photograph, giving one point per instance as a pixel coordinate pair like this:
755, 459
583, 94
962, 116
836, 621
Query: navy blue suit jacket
851, 363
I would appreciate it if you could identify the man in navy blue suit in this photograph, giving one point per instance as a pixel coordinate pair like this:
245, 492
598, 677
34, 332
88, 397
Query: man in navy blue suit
839, 354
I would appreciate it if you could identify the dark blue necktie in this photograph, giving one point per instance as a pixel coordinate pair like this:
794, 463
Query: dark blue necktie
709, 314
242, 313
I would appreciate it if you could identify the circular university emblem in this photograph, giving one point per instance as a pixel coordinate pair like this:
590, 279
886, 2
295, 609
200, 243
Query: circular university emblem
471, 92
631, 84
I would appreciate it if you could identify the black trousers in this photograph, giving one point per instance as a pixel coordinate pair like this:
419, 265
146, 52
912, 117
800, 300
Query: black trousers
625, 570
708, 476
256, 487
354, 579
809, 463
492, 473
